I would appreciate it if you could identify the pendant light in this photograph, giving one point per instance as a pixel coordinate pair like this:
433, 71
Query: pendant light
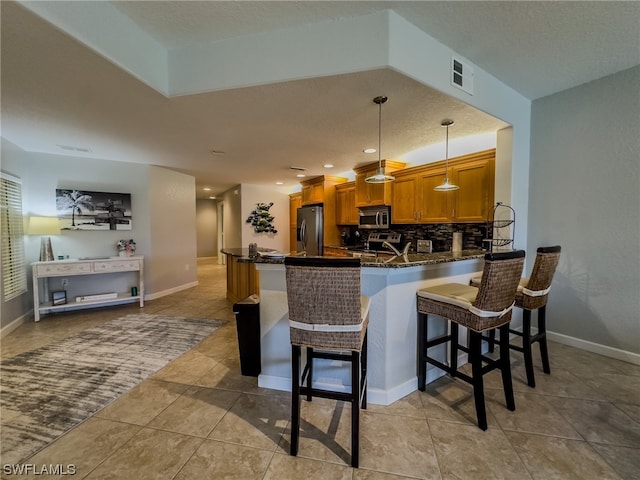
445, 186
380, 176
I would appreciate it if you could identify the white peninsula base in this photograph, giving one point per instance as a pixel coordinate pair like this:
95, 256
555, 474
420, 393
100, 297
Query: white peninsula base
392, 328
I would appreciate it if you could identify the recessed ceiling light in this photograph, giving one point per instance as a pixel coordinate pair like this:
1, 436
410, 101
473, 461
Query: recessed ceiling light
300, 175
217, 152
212, 198
207, 189
279, 183
328, 165
369, 150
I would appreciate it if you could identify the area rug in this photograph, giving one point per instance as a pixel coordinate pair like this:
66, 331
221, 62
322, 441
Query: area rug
47, 391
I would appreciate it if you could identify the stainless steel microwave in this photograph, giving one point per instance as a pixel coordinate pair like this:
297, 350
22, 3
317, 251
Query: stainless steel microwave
374, 218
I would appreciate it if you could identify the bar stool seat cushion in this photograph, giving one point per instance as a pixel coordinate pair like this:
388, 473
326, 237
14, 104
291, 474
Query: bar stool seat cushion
457, 294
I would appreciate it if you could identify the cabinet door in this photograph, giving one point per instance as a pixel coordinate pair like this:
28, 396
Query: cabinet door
346, 211
313, 193
475, 197
295, 202
363, 196
404, 200
370, 194
435, 207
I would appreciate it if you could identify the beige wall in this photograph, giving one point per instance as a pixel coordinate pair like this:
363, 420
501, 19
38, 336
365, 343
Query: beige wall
585, 196
159, 197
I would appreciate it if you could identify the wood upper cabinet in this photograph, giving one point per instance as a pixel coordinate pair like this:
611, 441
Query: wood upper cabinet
434, 207
474, 199
322, 190
404, 199
374, 194
346, 211
414, 199
295, 202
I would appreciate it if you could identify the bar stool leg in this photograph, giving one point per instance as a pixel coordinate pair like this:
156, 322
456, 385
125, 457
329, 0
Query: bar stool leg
475, 358
422, 340
542, 333
505, 368
526, 347
355, 408
295, 399
309, 373
363, 372
453, 362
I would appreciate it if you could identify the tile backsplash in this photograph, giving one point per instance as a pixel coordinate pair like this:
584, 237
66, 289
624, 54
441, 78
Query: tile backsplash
441, 235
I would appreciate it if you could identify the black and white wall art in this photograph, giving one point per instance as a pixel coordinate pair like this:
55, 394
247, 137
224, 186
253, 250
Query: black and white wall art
86, 210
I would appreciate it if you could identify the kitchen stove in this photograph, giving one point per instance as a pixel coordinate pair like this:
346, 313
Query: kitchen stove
376, 240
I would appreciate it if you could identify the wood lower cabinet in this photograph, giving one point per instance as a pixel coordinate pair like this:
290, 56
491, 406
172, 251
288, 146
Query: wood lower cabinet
346, 211
242, 279
335, 252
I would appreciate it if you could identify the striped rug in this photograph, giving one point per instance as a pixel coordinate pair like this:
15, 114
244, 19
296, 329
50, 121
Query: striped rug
47, 391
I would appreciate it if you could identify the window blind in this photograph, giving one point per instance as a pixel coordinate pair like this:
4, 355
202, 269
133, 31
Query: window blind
14, 275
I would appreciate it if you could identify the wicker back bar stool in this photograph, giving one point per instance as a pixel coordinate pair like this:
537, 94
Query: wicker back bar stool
479, 309
328, 316
532, 294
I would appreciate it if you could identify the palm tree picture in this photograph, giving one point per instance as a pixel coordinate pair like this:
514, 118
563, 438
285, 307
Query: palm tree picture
87, 210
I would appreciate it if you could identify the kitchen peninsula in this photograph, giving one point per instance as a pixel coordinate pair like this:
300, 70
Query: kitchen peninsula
391, 282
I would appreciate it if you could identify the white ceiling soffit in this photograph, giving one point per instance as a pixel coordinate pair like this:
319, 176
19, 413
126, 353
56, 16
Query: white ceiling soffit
536, 47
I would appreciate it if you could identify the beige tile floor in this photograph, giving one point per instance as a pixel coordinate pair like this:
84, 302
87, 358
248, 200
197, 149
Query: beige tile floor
198, 418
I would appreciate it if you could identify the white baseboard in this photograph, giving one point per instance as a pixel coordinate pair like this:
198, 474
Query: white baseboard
603, 350
164, 293
7, 329
375, 396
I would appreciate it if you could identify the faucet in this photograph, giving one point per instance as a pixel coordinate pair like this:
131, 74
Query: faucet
406, 249
396, 252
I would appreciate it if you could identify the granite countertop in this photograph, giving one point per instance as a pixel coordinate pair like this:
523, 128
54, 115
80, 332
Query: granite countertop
243, 252
410, 260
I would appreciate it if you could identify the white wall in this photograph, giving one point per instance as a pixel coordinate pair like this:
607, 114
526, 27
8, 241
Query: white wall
232, 217
254, 194
172, 201
159, 197
206, 228
585, 196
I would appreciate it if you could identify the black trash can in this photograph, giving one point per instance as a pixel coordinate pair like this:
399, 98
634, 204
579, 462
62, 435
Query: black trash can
248, 324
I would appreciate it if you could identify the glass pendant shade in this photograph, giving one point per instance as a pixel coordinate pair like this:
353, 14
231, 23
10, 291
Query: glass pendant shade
445, 186
380, 176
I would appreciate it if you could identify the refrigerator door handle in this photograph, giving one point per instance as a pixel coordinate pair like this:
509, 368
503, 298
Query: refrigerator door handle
303, 235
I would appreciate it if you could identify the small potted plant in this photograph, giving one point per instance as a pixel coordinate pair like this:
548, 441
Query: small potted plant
126, 248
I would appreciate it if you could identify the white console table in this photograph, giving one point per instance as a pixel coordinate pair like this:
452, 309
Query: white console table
42, 271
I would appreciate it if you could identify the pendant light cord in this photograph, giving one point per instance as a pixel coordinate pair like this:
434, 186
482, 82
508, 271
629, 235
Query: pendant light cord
379, 133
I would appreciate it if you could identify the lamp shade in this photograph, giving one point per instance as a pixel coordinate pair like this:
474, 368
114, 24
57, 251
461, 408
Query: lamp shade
43, 226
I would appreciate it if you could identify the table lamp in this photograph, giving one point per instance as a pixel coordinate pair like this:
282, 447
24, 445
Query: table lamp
44, 226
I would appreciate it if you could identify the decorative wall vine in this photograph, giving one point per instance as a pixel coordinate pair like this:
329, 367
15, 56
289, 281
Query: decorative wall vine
261, 219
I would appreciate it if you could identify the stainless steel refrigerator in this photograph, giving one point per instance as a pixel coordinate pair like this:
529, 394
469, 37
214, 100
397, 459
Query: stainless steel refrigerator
309, 230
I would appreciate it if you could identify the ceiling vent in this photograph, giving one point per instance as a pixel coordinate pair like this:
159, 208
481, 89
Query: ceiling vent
298, 169
462, 75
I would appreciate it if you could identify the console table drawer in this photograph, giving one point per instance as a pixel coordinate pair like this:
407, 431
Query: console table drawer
117, 266
62, 269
